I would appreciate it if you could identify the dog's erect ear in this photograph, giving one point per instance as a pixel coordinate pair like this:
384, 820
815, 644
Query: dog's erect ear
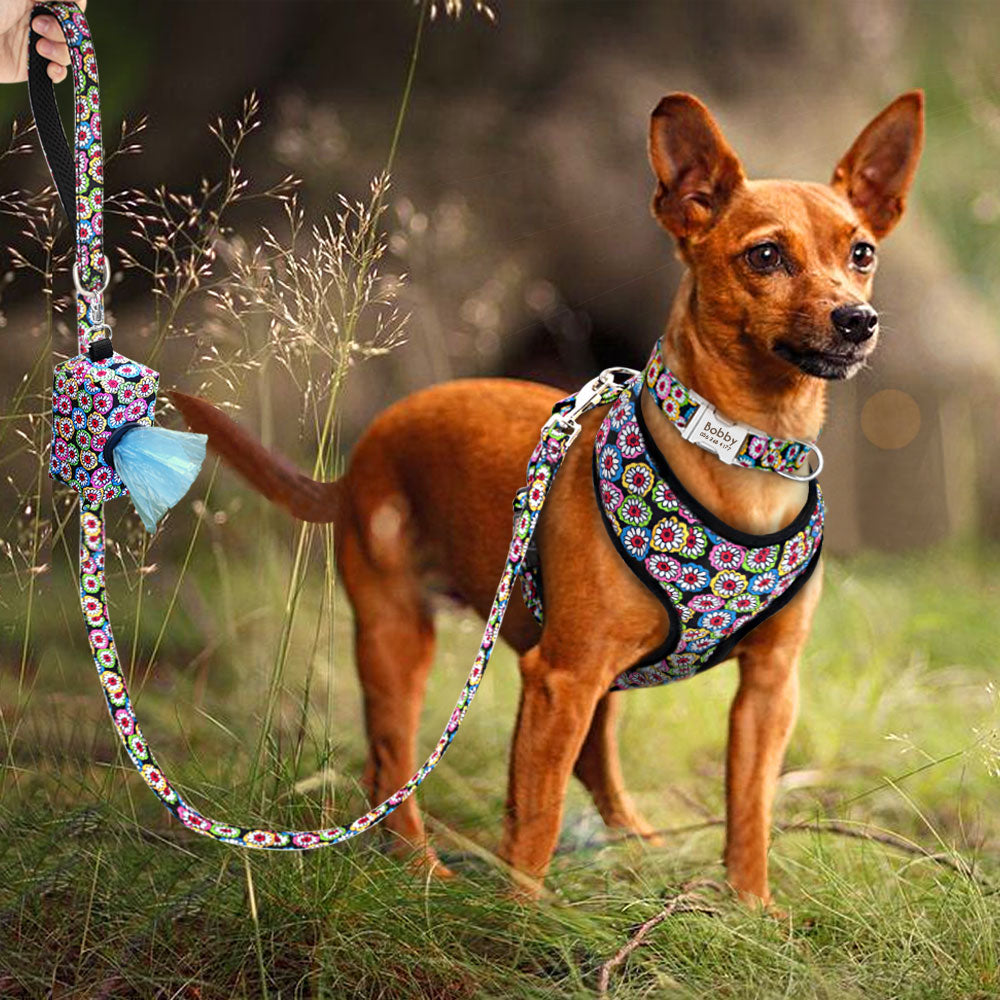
695, 167
876, 173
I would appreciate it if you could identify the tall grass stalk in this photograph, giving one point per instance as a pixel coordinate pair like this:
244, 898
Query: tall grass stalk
252, 899
359, 243
39, 231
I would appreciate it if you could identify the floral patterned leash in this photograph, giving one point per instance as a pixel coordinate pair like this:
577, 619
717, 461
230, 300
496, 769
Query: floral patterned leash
557, 435
79, 181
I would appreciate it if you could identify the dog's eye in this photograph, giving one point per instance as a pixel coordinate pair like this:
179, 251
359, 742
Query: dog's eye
764, 257
862, 256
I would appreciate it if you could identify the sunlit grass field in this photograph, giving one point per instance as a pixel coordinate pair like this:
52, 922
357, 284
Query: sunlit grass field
103, 894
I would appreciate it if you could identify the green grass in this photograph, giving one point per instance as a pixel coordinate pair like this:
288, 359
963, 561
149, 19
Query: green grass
103, 894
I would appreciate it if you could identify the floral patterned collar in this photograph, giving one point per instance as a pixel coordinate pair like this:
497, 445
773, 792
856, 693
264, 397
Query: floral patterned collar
734, 443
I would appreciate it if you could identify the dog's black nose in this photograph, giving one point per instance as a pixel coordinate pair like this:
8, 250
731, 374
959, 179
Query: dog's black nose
855, 322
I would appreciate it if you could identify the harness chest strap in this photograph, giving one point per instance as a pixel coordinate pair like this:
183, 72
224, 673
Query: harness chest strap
716, 582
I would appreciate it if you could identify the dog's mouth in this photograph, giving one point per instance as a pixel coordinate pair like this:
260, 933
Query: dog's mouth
842, 364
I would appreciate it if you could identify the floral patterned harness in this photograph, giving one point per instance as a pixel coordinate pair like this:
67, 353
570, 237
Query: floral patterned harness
716, 582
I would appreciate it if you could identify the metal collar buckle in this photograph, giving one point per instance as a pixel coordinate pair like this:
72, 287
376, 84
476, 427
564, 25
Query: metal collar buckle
724, 438
712, 432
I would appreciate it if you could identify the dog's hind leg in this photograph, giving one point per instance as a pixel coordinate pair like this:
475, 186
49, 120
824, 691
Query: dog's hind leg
599, 769
394, 651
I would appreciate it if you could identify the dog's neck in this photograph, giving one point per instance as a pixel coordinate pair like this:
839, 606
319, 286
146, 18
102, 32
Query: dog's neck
783, 405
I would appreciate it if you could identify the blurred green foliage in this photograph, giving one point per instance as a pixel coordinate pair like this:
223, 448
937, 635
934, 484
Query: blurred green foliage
953, 49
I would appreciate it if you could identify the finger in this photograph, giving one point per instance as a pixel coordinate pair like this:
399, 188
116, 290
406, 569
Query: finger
52, 51
47, 27
56, 72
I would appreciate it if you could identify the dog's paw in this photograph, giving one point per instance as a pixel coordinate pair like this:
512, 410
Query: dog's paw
635, 826
426, 864
647, 834
525, 890
758, 904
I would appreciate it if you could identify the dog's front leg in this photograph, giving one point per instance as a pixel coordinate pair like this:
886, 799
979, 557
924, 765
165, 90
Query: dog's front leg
760, 724
599, 769
557, 706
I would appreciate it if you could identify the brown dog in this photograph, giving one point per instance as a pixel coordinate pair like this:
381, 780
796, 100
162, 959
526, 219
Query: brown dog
762, 319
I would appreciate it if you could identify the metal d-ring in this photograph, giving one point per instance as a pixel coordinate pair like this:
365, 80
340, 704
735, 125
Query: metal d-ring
812, 475
89, 292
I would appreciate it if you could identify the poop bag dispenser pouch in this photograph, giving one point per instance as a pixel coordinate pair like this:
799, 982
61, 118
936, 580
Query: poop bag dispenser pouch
104, 442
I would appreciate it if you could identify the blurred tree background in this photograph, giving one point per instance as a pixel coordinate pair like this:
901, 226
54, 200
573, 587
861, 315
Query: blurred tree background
519, 199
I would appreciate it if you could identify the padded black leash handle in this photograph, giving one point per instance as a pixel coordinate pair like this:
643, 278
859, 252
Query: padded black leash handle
55, 146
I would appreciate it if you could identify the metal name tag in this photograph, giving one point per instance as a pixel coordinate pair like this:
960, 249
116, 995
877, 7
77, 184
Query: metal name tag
714, 433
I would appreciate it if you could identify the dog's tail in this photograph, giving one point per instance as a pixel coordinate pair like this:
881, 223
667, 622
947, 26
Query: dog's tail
276, 478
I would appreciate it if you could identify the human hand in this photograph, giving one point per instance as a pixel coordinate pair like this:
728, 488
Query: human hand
15, 16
